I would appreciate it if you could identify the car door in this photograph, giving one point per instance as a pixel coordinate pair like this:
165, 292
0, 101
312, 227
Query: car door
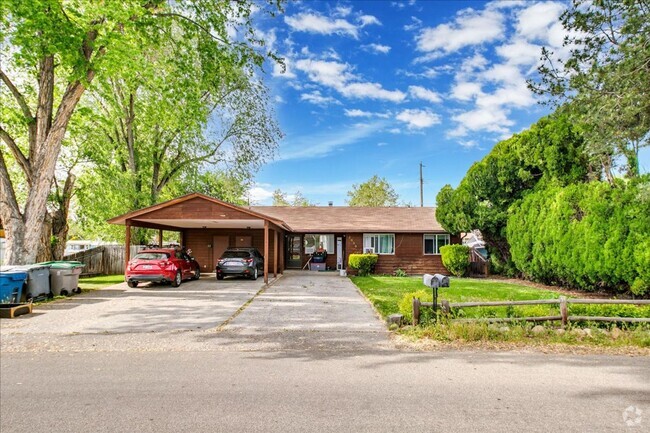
182, 263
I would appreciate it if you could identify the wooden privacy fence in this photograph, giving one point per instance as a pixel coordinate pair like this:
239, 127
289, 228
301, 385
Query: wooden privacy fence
104, 260
562, 301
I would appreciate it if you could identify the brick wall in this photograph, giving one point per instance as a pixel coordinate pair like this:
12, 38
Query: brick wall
409, 254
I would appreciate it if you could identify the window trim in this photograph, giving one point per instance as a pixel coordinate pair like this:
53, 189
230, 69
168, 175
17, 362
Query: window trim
435, 246
379, 234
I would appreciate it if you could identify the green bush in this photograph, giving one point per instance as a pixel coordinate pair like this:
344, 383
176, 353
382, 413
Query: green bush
406, 305
363, 263
456, 259
399, 272
588, 235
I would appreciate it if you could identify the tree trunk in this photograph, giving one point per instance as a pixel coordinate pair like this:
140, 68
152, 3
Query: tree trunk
60, 226
45, 247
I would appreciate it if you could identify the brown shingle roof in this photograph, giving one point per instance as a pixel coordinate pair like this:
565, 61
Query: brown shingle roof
344, 219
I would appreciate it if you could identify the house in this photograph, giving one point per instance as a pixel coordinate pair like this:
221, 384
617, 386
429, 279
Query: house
408, 238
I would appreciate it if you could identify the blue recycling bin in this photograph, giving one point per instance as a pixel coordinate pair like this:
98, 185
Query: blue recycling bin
38, 280
11, 286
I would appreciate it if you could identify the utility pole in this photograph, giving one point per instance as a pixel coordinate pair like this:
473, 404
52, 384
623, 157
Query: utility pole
421, 186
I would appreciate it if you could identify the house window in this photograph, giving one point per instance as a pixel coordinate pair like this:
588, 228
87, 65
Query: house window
432, 243
314, 241
379, 243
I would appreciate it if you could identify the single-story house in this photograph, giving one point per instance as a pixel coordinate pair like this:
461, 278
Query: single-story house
408, 238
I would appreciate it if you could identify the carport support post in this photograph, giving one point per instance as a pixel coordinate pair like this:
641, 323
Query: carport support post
160, 238
127, 245
266, 251
275, 253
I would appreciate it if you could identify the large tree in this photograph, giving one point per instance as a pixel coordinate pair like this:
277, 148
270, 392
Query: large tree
605, 81
281, 198
551, 150
375, 191
53, 51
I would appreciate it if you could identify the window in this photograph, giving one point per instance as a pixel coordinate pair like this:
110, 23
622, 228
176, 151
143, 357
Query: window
379, 242
313, 242
432, 243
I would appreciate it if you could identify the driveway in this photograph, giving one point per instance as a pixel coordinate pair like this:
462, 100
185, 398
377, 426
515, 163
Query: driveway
298, 311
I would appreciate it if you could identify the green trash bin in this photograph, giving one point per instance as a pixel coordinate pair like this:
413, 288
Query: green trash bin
64, 277
38, 280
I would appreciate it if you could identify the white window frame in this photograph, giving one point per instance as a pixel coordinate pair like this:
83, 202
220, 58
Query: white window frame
368, 245
435, 242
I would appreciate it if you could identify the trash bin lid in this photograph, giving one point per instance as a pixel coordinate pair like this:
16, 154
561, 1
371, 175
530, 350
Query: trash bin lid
61, 264
26, 268
13, 274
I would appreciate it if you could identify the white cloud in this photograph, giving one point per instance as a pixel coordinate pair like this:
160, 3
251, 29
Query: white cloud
377, 48
534, 22
317, 98
278, 99
395, 131
324, 144
360, 113
520, 53
260, 193
382, 144
367, 20
416, 23
468, 144
492, 119
424, 94
371, 91
343, 11
470, 27
316, 23
464, 91
330, 74
337, 76
418, 119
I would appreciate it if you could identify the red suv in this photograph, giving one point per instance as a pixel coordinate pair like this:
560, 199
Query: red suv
161, 265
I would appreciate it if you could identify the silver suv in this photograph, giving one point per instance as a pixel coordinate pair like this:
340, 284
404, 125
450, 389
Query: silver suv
245, 262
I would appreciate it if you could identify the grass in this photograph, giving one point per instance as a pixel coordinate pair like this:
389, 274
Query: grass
94, 283
386, 292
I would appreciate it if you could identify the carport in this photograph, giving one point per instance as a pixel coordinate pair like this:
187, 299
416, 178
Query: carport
208, 226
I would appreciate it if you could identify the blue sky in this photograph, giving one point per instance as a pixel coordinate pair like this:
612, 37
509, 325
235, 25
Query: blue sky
375, 87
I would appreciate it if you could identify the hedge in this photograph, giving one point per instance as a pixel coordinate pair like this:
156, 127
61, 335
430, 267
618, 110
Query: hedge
364, 263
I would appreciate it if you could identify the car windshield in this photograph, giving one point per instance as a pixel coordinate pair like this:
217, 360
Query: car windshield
151, 256
236, 255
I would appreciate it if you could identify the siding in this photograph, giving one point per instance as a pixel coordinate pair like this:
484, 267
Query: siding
409, 254
199, 239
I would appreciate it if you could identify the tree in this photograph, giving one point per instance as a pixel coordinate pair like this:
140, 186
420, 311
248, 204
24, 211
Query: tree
56, 51
550, 151
375, 192
605, 81
281, 199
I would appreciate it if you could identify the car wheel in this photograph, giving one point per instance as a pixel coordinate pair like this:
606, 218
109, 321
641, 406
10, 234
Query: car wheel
132, 284
64, 292
254, 276
197, 273
177, 279
219, 277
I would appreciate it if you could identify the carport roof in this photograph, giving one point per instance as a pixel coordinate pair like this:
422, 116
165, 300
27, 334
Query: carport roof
162, 215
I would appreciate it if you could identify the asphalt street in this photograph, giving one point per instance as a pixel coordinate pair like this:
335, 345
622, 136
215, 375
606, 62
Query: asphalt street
307, 354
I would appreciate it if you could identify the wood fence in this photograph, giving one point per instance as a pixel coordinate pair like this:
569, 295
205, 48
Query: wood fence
562, 301
103, 260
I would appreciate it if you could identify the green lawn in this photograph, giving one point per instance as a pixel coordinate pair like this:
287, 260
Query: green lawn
93, 283
386, 292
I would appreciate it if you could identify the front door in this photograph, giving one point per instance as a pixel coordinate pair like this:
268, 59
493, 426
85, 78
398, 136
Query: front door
294, 252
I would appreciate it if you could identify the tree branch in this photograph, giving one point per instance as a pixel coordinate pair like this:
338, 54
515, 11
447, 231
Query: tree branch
17, 153
17, 95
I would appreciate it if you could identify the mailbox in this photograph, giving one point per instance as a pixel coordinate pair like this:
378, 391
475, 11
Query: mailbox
435, 281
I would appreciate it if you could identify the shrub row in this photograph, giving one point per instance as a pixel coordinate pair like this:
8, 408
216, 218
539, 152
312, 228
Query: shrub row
587, 235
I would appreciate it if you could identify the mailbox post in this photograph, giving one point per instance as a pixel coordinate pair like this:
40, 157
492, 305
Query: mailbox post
435, 281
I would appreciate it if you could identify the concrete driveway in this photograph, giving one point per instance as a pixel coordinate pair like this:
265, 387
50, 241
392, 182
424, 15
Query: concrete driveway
298, 311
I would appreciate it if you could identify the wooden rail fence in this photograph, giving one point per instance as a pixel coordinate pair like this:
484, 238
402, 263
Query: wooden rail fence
562, 301
103, 260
